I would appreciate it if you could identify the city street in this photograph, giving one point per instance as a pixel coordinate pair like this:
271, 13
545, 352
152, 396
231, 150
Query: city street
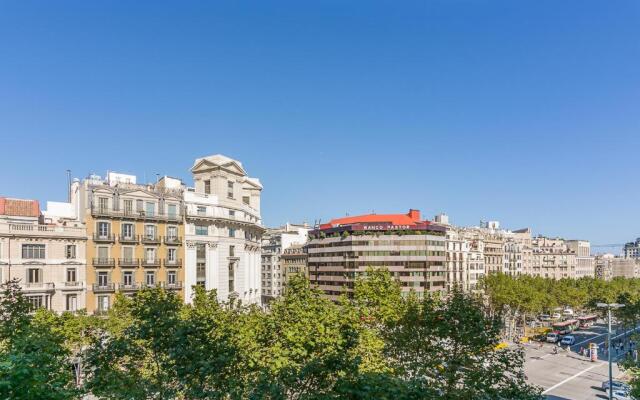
569, 375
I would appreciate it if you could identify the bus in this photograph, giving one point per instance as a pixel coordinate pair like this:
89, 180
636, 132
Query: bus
587, 321
565, 327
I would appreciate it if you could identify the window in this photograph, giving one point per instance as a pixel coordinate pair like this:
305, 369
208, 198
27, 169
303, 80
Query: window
231, 277
207, 187
172, 232
150, 208
232, 213
127, 278
171, 254
230, 189
232, 232
150, 254
201, 210
103, 252
202, 230
33, 251
104, 228
103, 303
35, 301
150, 278
201, 253
139, 204
127, 231
72, 302
232, 251
172, 210
171, 277
128, 206
246, 200
71, 274
103, 203
150, 231
127, 253
34, 275
103, 279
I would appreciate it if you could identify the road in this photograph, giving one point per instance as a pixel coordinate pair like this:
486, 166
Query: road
569, 375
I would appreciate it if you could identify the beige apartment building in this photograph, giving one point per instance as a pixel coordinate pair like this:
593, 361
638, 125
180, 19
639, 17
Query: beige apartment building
294, 262
135, 236
552, 258
45, 254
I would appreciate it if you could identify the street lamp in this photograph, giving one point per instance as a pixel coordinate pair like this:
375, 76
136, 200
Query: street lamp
609, 307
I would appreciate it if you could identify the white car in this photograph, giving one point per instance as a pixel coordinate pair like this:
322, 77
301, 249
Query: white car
617, 386
568, 340
621, 395
553, 337
544, 317
567, 312
556, 316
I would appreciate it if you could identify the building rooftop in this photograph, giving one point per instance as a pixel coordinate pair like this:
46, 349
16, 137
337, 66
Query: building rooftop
19, 207
410, 218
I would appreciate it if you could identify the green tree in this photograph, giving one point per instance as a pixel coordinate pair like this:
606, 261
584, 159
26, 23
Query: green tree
34, 362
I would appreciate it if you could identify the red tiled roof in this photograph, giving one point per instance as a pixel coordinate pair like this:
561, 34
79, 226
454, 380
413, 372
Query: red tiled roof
411, 218
19, 207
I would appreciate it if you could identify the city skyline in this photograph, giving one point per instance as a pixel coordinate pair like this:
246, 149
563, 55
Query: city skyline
523, 114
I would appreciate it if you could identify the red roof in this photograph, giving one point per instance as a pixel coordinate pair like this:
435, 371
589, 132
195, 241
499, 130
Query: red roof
19, 208
410, 218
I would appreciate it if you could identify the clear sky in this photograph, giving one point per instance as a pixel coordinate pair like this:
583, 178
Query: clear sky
527, 112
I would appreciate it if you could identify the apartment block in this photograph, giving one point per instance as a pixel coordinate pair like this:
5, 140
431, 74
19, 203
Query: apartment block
46, 254
585, 266
134, 236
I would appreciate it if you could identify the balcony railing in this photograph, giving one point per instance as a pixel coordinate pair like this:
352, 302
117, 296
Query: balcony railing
104, 262
173, 240
132, 239
151, 263
140, 214
128, 262
147, 239
172, 286
103, 238
172, 263
150, 285
108, 287
74, 284
129, 287
39, 286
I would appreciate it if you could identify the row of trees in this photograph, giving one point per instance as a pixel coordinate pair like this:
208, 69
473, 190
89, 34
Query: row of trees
378, 344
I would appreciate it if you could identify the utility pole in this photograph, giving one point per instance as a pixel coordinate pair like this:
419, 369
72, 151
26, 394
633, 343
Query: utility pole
609, 307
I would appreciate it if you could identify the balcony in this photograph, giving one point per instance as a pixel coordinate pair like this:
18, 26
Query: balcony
104, 262
172, 286
129, 287
134, 239
148, 239
150, 285
173, 240
73, 285
103, 238
128, 262
151, 263
105, 288
172, 263
39, 287
139, 214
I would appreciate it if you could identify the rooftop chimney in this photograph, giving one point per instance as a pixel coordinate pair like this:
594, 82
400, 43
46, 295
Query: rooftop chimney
414, 214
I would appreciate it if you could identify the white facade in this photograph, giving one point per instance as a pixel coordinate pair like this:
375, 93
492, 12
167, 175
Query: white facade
223, 229
274, 243
585, 265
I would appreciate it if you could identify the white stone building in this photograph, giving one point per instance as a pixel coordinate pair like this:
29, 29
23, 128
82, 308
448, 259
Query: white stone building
585, 266
223, 229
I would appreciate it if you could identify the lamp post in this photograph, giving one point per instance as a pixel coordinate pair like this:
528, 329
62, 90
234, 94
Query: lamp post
609, 307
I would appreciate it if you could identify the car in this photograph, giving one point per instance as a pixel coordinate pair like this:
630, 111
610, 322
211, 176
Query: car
544, 317
567, 312
617, 385
553, 337
556, 316
621, 395
568, 340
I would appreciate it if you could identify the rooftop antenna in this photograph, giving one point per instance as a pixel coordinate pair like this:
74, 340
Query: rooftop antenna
69, 185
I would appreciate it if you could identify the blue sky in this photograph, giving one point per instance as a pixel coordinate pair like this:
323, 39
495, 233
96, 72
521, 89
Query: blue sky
522, 111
